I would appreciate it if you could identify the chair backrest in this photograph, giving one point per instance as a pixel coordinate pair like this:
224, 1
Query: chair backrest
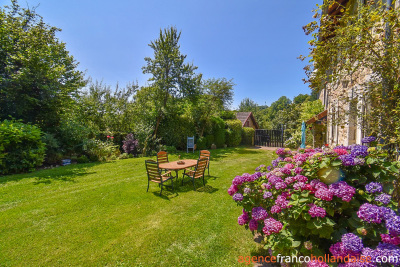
205, 153
153, 173
162, 157
200, 167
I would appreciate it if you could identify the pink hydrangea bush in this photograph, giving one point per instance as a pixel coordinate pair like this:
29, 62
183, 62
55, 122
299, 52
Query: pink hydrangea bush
312, 201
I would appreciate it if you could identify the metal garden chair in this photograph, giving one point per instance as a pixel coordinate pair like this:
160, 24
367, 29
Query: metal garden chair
162, 157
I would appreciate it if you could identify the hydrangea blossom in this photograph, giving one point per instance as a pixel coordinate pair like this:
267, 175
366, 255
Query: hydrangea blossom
238, 180
393, 225
232, 190
272, 226
387, 213
324, 194
386, 238
243, 218
359, 150
286, 171
267, 194
289, 165
370, 213
359, 161
259, 213
276, 209
237, 197
342, 190
374, 187
383, 198
280, 152
260, 167
299, 186
289, 180
253, 225
301, 178
336, 250
275, 179
341, 151
280, 185
298, 170
282, 202
368, 139
275, 162
247, 190
316, 211
352, 243
347, 160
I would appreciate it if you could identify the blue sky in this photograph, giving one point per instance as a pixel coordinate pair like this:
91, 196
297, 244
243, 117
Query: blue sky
255, 42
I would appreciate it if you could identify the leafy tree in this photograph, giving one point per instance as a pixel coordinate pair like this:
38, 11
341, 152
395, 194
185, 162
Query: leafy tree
171, 77
248, 105
301, 98
362, 41
221, 92
38, 77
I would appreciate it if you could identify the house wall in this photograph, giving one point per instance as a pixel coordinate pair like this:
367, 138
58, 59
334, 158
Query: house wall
249, 123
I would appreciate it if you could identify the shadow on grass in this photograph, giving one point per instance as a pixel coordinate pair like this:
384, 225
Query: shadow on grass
187, 186
46, 176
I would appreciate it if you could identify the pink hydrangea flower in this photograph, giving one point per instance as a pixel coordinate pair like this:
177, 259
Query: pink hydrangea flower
272, 226
276, 209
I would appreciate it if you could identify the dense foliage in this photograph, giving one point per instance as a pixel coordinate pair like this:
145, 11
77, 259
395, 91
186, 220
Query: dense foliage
21, 147
247, 136
233, 132
365, 35
38, 77
316, 201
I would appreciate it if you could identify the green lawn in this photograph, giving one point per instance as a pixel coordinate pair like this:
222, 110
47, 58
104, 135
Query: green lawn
100, 214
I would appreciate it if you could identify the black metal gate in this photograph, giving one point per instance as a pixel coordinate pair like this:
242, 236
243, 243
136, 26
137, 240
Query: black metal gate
271, 138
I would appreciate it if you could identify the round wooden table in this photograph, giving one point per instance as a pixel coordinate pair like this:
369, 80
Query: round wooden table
174, 166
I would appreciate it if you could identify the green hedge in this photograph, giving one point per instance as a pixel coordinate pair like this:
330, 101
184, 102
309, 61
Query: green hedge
247, 136
21, 147
218, 130
233, 132
201, 143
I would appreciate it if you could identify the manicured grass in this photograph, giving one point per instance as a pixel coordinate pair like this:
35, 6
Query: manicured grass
100, 214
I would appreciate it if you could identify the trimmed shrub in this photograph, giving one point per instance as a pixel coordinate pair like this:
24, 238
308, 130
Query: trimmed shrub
201, 143
174, 131
218, 130
171, 149
21, 147
233, 132
247, 136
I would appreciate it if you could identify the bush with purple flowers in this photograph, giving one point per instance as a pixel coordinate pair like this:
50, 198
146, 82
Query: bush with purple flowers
321, 201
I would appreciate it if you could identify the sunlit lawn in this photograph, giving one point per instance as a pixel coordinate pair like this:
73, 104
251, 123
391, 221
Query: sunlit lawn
100, 214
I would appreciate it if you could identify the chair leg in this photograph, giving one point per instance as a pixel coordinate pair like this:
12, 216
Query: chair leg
204, 183
208, 167
194, 184
148, 184
172, 182
161, 188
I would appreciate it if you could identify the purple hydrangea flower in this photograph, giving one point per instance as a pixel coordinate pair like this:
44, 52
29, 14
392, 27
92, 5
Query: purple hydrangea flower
324, 194
347, 160
370, 213
374, 187
237, 197
359, 150
282, 202
299, 186
368, 139
387, 213
389, 251
301, 178
343, 190
275, 162
298, 170
247, 190
383, 198
317, 263
316, 211
280, 185
232, 190
243, 218
272, 226
276, 209
393, 225
253, 225
238, 180
259, 213
267, 194
280, 152
352, 243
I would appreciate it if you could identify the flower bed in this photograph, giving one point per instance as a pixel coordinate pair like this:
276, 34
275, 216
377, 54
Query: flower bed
323, 201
